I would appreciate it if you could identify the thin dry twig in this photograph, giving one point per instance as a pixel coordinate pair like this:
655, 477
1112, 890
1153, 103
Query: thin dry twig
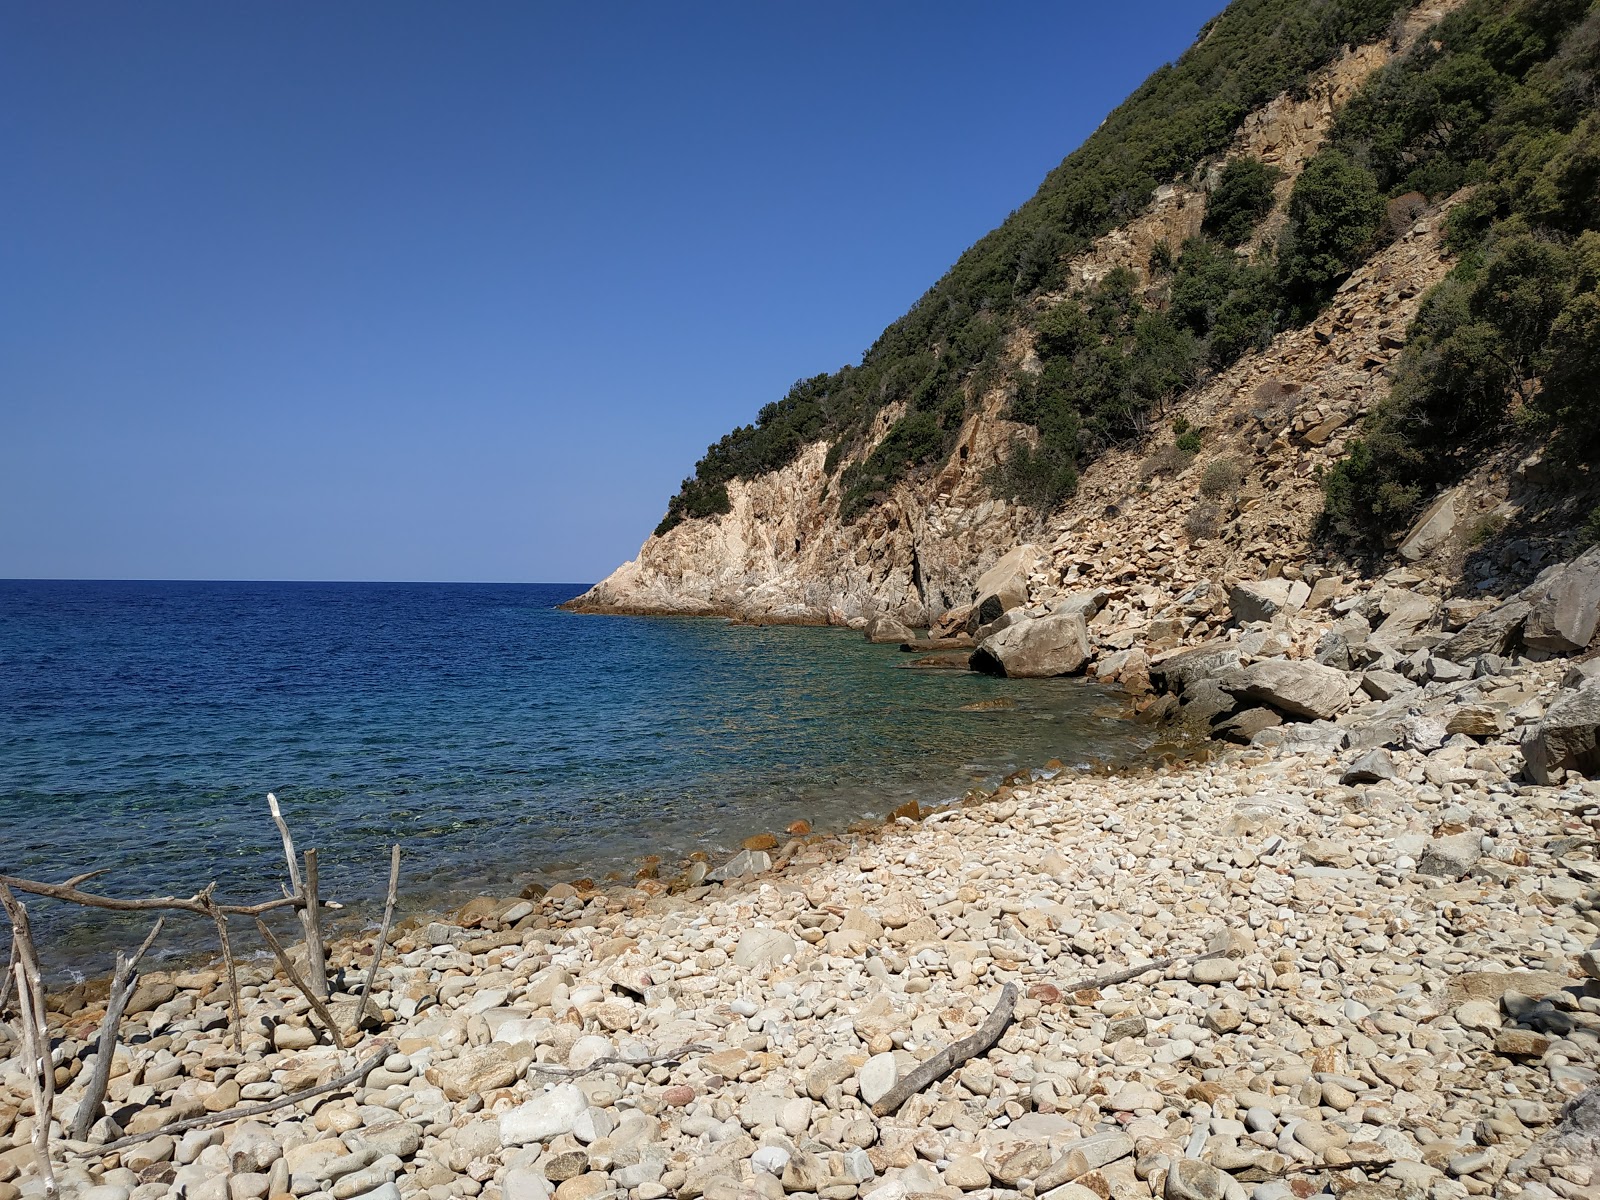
383, 934
613, 1060
356, 1076
235, 1003
123, 982
1096, 982
312, 998
952, 1056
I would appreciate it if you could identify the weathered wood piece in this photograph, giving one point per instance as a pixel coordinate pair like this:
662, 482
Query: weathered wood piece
317, 1006
383, 935
123, 981
348, 1079
952, 1056
1096, 982
33, 1032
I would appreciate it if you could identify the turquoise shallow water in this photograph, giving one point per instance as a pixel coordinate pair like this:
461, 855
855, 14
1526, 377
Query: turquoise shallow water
499, 739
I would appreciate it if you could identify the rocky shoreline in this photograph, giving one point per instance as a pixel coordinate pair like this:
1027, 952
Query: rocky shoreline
1399, 896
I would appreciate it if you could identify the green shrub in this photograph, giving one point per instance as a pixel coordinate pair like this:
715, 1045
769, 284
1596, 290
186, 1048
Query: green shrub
1189, 442
1220, 478
1243, 196
1334, 211
1040, 477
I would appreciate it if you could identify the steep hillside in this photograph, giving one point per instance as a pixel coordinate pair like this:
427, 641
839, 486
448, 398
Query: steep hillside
1375, 306
784, 551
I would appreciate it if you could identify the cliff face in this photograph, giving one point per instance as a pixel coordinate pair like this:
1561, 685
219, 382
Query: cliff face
783, 555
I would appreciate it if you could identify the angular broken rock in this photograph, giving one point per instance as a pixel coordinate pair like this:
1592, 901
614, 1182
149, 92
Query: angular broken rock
762, 949
1370, 767
1451, 857
1492, 632
544, 1117
1176, 672
1433, 528
1564, 617
1566, 738
1301, 689
1036, 649
878, 1075
1263, 599
1004, 586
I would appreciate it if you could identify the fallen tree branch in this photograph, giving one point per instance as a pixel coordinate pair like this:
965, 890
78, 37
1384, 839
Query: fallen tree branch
356, 1076
1096, 982
123, 981
613, 1060
33, 1032
300, 984
383, 936
235, 1003
952, 1056
70, 893
311, 918
297, 888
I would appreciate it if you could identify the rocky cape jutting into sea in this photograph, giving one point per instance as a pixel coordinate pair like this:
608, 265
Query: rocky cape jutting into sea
1348, 950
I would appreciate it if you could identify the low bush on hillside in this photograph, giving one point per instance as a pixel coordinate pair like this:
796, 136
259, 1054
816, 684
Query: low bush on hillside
1204, 520
1503, 98
1221, 477
1243, 196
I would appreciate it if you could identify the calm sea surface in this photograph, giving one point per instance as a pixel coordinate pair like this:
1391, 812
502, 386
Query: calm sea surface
500, 740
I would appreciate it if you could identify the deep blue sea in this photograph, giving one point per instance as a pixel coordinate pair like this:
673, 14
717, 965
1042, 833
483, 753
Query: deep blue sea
499, 739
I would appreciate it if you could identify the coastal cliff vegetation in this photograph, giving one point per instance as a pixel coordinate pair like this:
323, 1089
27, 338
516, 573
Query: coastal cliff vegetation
1499, 97
940, 357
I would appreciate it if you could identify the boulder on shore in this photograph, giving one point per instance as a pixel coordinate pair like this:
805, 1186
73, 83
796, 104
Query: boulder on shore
1492, 632
1566, 738
1301, 689
1036, 649
1263, 599
1004, 586
883, 631
1175, 672
1564, 616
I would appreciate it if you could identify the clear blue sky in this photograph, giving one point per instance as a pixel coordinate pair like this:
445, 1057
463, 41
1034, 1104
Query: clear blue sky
404, 291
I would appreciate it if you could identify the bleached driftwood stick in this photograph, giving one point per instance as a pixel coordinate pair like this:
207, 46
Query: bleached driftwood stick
123, 981
317, 1006
383, 936
34, 1034
319, 983
952, 1056
1096, 982
356, 1076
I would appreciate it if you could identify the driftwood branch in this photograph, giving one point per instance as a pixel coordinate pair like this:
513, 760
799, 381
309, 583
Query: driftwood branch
34, 1033
354, 1077
235, 1004
70, 893
300, 984
952, 1056
297, 890
123, 981
383, 935
1096, 982
613, 1060
311, 918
